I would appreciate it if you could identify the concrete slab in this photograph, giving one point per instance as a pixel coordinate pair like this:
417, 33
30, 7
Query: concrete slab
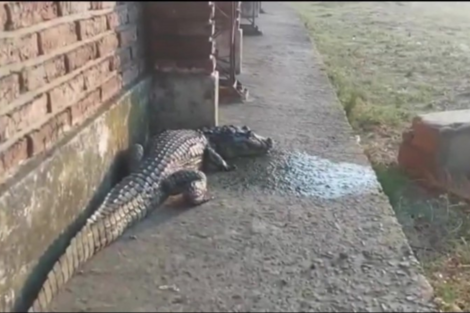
436, 149
441, 141
447, 118
305, 229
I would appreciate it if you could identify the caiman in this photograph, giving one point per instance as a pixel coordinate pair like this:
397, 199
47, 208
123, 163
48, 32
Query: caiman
172, 164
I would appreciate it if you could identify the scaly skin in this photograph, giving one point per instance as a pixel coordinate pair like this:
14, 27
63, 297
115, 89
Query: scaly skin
171, 166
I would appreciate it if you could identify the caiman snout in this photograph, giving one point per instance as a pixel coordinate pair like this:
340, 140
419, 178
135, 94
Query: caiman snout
263, 144
269, 143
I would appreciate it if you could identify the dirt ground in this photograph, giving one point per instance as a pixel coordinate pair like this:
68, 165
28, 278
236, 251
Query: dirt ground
389, 61
303, 229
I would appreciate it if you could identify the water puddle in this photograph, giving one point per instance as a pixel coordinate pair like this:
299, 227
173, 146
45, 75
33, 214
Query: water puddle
305, 175
309, 175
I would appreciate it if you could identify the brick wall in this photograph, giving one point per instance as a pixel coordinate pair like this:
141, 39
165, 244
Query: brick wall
182, 36
184, 92
59, 63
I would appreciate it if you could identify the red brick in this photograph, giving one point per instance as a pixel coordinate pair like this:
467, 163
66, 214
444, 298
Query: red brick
97, 74
14, 50
117, 18
99, 5
415, 160
49, 133
3, 17
111, 87
127, 36
91, 27
130, 74
12, 154
57, 37
433, 150
42, 74
79, 57
107, 45
121, 59
9, 89
5, 131
67, 93
425, 136
23, 117
72, 7
84, 108
28, 13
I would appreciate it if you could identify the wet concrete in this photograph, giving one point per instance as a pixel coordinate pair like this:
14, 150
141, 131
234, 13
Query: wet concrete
303, 229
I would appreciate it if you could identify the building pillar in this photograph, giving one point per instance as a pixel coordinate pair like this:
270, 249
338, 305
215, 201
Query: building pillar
238, 42
184, 100
185, 83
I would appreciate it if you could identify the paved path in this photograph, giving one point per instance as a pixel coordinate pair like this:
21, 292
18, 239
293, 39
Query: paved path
296, 231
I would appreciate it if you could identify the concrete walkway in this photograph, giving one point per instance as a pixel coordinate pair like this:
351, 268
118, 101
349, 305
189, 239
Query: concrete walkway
296, 231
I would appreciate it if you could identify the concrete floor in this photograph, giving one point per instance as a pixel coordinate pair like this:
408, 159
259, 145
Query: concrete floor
305, 229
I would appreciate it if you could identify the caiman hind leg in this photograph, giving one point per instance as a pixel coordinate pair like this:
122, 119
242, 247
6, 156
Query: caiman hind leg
214, 160
135, 155
192, 184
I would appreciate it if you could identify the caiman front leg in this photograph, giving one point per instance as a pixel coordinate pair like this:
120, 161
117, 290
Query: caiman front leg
135, 155
192, 184
213, 159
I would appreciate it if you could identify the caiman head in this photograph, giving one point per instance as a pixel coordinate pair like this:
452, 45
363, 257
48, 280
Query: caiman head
232, 141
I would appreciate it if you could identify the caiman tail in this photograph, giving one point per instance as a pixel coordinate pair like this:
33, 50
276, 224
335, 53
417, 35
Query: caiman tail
127, 203
172, 158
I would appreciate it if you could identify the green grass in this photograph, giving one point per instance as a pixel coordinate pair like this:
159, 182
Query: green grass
389, 61
386, 63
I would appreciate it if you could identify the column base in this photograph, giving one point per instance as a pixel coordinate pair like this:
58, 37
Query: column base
183, 100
